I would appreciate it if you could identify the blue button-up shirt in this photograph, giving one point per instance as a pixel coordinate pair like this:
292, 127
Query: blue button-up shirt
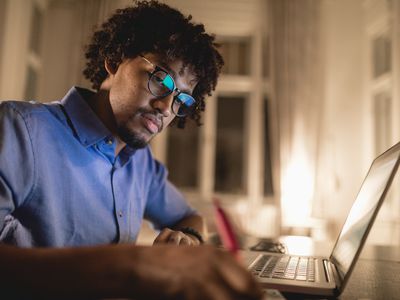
62, 185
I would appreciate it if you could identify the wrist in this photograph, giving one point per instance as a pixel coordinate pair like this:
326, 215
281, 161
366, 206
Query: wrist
193, 233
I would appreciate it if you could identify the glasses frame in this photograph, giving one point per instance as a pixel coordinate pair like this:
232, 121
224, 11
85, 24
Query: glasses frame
175, 89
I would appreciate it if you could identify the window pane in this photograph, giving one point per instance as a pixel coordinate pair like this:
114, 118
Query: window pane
182, 155
268, 186
236, 54
381, 56
36, 30
229, 164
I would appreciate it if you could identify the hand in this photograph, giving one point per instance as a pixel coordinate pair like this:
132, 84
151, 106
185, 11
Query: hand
125, 271
169, 236
193, 273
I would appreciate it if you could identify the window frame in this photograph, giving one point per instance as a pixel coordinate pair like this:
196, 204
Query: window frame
257, 87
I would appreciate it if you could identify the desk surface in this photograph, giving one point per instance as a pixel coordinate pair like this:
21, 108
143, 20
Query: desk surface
375, 276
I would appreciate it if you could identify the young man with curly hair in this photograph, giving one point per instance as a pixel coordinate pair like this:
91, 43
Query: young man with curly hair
77, 176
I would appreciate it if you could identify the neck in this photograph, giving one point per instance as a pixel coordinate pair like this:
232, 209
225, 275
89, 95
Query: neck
100, 104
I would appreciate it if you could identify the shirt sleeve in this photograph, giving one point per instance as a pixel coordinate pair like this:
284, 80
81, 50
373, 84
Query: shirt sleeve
16, 161
166, 206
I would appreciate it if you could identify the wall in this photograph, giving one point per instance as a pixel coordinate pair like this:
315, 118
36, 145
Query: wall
2, 27
69, 26
59, 61
17, 17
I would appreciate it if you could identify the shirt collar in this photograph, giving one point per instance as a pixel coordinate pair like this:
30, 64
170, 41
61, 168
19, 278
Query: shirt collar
88, 127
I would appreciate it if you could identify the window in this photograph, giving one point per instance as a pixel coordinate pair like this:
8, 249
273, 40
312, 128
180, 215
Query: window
236, 54
229, 155
230, 146
383, 120
183, 155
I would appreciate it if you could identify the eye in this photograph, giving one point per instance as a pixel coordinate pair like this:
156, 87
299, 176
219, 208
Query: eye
158, 79
186, 99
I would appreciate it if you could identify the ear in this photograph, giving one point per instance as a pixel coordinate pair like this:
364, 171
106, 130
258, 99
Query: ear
107, 82
110, 70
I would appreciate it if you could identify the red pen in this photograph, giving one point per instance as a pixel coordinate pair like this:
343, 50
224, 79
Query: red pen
225, 230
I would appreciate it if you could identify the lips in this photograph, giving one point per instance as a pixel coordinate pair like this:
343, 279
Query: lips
152, 123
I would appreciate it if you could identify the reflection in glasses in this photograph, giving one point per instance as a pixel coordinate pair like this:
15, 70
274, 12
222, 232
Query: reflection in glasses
161, 84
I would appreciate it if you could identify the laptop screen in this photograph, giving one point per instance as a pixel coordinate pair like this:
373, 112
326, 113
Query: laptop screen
364, 210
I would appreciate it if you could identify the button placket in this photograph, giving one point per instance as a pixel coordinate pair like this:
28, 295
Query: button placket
119, 208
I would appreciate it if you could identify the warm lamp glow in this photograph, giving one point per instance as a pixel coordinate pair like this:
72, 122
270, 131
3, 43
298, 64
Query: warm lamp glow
297, 190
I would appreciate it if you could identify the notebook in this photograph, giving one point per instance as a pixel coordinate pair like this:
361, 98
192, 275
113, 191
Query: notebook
327, 276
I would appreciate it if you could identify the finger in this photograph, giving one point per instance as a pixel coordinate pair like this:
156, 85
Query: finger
239, 278
186, 241
175, 238
163, 236
215, 287
193, 241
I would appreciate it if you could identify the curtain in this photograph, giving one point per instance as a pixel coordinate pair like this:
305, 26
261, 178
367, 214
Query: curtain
297, 79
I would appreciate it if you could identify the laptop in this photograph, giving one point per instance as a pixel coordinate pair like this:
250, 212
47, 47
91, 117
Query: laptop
327, 276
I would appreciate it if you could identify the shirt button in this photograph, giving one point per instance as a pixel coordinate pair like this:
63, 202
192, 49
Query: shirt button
109, 141
120, 214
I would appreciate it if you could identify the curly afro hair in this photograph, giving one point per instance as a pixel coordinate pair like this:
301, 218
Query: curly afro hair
153, 27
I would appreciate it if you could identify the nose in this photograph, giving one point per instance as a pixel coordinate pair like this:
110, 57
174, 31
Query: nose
163, 105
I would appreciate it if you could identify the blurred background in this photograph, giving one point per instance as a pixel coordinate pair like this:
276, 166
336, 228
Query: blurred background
309, 95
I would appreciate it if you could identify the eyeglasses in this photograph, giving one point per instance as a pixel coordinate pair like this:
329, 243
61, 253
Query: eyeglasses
161, 84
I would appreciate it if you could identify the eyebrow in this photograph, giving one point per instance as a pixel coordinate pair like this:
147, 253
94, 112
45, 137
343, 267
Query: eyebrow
173, 74
166, 68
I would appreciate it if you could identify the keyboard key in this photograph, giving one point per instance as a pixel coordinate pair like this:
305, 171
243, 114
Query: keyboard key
257, 268
301, 277
311, 270
286, 267
270, 267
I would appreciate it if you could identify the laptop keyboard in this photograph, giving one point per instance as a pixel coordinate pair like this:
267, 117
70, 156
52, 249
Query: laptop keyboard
285, 267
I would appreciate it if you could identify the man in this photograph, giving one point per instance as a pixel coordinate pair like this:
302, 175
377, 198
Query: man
79, 172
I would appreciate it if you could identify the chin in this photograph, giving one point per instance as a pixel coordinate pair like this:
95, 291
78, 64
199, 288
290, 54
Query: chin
132, 139
136, 143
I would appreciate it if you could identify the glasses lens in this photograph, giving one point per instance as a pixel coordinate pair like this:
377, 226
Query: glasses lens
161, 84
183, 104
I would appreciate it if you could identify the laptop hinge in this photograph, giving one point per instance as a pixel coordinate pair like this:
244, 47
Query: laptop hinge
337, 278
326, 270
